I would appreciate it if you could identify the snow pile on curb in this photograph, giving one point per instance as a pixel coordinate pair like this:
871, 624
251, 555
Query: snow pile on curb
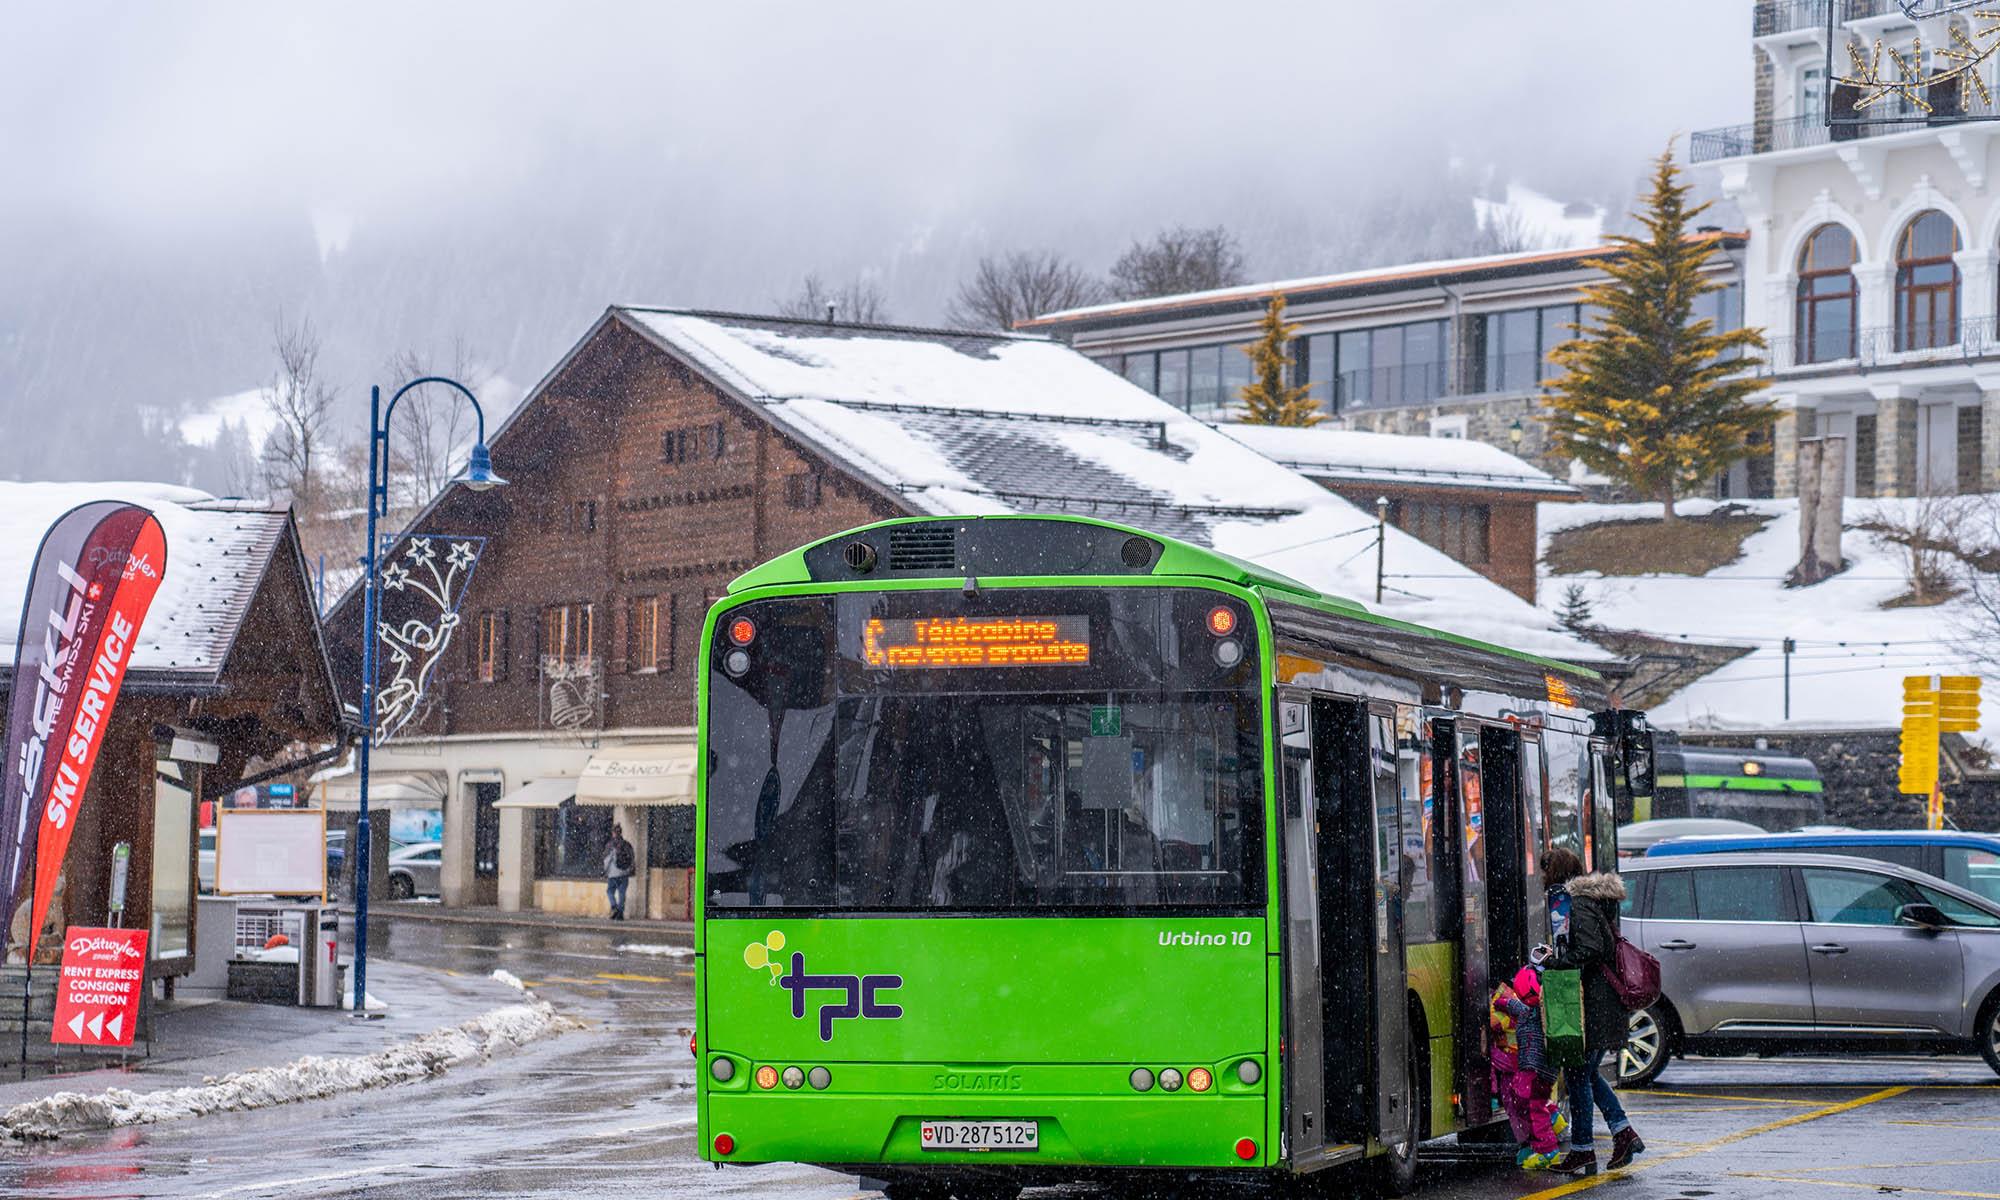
309, 1078
655, 948
507, 977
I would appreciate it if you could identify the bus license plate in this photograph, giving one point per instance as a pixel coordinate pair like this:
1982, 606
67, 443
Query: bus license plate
981, 1135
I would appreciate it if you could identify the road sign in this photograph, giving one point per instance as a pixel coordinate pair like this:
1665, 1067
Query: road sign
1958, 703
1918, 773
97, 996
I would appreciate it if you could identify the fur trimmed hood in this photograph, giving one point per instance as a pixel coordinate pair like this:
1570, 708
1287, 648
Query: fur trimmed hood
1599, 885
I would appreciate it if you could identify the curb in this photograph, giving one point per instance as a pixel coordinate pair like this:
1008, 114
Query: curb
681, 932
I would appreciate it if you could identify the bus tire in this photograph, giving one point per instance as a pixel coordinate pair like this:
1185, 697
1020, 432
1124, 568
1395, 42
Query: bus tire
1395, 1170
1649, 1043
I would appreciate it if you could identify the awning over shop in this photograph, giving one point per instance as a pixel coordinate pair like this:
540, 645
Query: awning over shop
542, 793
386, 789
638, 775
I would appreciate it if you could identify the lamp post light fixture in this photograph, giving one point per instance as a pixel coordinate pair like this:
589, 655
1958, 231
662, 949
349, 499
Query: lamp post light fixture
1515, 433
478, 476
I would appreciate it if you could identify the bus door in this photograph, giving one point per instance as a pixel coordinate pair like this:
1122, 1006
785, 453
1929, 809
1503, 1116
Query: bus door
1507, 850
1350, 921
1298, 826
1476, 987
1396, 1088
1535, 819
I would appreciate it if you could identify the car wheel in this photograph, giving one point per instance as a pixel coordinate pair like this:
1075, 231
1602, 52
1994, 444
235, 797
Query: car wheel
401, 887
1648, 1041
1989, 1033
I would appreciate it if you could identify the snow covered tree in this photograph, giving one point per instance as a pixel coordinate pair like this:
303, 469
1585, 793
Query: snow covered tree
1015, 286
1269, 400
1178, 260
1650, 394
1574, 614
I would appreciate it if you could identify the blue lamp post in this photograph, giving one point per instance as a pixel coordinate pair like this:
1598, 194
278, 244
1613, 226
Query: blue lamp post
478, 475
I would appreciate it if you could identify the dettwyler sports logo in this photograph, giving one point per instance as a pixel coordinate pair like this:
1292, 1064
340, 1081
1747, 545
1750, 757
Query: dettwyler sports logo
859, 991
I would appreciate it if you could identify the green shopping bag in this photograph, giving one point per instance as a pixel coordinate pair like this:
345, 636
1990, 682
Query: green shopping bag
1562, 1016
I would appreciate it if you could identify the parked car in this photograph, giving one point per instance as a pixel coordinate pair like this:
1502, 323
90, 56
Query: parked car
413, 870
204, 861
1770, 952
1635, 839
1970, 860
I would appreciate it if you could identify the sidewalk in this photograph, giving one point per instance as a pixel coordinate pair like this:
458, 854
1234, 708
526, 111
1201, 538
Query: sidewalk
198, 1039
678, 932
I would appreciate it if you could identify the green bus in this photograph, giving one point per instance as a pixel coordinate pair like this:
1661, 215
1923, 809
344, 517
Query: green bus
1036, 849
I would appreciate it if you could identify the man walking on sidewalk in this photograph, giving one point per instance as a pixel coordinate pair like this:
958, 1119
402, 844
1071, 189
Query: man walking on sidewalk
618, 864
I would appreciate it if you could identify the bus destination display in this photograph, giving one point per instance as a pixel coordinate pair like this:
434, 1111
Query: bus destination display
926, 642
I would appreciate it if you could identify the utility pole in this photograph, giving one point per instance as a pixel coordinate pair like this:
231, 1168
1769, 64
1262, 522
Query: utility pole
1790, 646
1381, 540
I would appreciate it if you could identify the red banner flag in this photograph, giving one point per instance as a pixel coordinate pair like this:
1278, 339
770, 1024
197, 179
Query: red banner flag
98, 571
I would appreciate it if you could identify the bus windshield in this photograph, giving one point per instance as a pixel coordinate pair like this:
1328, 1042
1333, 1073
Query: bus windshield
1082, 751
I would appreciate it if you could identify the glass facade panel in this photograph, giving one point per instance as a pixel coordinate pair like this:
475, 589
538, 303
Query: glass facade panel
1316, 368
1174, 377
1235, 374
173, 865
1353, 387
1143, 370
1205, 379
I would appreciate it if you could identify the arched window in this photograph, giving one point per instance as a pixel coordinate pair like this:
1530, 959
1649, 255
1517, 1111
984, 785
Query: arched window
1927, 283
1828, 296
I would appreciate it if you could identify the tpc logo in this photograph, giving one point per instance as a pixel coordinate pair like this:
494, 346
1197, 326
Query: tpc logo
859, 990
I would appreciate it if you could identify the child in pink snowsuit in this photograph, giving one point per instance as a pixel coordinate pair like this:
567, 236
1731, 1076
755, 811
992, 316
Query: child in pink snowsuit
1522, 1078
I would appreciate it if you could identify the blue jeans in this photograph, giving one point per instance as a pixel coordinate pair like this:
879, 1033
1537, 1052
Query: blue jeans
614, 891
1584, 1085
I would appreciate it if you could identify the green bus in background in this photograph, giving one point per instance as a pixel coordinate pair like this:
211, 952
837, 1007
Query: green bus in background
1038, 849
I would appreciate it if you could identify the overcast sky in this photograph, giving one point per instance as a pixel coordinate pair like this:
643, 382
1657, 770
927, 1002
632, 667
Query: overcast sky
192, 166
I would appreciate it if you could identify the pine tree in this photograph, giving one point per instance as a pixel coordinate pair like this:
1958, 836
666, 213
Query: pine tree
1650, 395
1270, 400
1575, 614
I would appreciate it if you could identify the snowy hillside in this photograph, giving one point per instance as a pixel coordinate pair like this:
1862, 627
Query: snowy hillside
1852, 653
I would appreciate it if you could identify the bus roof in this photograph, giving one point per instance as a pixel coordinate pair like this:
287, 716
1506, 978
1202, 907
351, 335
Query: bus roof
1012, 544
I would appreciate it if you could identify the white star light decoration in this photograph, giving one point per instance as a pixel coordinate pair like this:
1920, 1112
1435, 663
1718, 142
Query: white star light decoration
1964, 56
414, 644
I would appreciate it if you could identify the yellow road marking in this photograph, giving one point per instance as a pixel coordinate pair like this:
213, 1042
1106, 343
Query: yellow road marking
1588, 1182
1897, 1166
1904, 1188
685, 974
1721, 1096
1679, 1112
1945, 1124
633, 978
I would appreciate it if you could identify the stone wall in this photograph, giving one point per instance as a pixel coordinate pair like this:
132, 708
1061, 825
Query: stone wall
1859, 767
1488, 419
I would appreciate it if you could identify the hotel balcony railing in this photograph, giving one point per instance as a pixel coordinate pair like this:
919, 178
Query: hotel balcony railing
1425, 382
1921, 344
1792, 133
1783, 16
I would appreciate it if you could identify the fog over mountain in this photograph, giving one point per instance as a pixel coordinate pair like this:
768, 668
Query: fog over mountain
497, 172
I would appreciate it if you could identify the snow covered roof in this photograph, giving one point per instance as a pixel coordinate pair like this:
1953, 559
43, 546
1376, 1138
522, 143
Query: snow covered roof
1417, 274
1851, 653
217, 554
948, 422
1353, 456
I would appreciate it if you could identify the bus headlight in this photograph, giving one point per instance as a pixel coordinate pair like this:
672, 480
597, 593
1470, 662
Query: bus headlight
722, 1070
1228, 652
736, 662
794, 1078
1142, 1079
1248, 1071
1170, 1080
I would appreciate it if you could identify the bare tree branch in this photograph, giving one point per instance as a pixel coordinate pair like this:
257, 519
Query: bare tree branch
861, 302
1009, 289
1178, 260
301, 406
434, 426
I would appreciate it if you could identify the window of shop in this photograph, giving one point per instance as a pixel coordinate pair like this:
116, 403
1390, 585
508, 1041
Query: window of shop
490, 647
670, 836
173, 859
1828, 296
570, 840
485, 831
650, 635
1927, 283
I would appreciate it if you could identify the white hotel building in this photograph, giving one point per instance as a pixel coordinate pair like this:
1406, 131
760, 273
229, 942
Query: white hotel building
1872, 256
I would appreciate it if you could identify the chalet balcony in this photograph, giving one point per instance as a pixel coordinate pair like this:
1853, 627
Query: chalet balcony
1924, 344
1792, 133
1784, 16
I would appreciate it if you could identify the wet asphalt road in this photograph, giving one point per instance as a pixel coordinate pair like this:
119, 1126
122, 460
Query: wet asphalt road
608, 1112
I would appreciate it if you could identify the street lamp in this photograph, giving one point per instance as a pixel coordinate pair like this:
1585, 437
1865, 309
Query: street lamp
478, 475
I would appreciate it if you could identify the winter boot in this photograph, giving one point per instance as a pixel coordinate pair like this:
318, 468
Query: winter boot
1625, 1144
1578, 1162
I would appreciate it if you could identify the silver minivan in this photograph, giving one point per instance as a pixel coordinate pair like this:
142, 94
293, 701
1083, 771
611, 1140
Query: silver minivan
1766, 953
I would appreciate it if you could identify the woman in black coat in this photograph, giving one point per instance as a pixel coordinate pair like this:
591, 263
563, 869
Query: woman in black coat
1583, 912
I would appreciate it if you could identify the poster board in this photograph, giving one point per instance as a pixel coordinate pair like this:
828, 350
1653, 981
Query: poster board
270, 851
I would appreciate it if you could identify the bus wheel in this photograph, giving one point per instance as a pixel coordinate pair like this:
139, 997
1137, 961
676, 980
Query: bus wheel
1648, 1043
1395, 1169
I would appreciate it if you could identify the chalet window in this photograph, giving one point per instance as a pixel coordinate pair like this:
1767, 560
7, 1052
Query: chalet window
1461, 530
802, 490
490, 647
583, 517
649, 635
568, 633
1828, 296
694, 443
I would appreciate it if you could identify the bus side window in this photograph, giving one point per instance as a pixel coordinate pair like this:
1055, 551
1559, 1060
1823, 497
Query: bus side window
1413, 795
1441, 832
1602, 818
1564, 780
1534, 808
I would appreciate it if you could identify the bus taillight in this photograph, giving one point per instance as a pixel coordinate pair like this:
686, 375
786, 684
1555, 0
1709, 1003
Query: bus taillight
724, 1144
1246, 1149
